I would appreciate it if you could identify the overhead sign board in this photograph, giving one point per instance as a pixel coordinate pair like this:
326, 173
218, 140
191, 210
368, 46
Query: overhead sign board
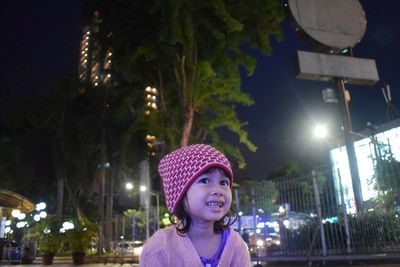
324, 67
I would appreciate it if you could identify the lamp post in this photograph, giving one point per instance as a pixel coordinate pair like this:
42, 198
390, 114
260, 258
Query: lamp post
321, 132
144, 189
157, 209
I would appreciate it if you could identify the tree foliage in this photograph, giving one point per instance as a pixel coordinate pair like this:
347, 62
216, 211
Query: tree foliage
386, 179
193, 53
48, 138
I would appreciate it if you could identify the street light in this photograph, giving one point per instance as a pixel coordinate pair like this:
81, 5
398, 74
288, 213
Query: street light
143, 188
40, 206
129, 186
15, 213
320, 131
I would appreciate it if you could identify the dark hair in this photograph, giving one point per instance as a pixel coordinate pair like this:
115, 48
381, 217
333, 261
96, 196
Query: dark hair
185, 221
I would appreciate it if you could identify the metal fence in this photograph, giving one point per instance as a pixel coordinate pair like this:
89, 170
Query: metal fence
309, 218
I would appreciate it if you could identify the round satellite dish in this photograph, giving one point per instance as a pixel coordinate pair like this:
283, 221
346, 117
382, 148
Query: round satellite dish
334, 23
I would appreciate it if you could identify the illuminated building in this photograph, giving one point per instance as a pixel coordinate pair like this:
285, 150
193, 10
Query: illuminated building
384, 140
95, 60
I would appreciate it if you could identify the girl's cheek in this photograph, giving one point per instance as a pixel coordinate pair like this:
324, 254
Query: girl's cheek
185, 205
229, 191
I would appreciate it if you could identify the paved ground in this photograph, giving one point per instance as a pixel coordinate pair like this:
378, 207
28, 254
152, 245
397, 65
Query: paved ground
335, 265
70, 265
137, 265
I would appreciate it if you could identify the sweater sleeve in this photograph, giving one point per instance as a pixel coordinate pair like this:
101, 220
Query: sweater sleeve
242, 257
154, 253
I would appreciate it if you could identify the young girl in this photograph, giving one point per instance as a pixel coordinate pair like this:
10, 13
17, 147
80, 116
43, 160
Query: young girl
197, 182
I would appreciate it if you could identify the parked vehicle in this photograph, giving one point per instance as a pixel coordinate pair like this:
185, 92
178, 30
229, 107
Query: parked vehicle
129, 248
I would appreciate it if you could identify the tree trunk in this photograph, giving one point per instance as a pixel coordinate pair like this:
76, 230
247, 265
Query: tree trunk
60, 194
187, 126
109, 213
102, 191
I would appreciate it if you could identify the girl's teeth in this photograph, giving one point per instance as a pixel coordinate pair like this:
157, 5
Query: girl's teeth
214, 205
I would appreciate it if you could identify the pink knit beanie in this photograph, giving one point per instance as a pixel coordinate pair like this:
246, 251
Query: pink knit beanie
181, 167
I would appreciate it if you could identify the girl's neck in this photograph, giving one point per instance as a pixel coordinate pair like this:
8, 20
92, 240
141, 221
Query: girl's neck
201, 230
204, 240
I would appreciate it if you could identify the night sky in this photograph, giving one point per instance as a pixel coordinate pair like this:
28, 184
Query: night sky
40, 44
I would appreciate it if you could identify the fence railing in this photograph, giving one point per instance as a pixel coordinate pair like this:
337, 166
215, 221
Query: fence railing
310, 219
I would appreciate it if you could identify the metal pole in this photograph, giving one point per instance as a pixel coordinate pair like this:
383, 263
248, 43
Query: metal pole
109, 212
158, 211
156, 216
123, 225
238, 210
147, 215
345, 221
349, 139
133, 224
102, 179
155, 220
60, 194
116, 230
145, 195
318, 207
254, 213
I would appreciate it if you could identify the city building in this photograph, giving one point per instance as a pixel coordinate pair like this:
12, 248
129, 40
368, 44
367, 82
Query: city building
376, 143
95, 59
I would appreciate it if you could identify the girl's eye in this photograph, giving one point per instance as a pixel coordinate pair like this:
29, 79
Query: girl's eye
225, 182
204, 181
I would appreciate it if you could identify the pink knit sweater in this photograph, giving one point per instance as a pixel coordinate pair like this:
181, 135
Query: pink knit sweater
167, 248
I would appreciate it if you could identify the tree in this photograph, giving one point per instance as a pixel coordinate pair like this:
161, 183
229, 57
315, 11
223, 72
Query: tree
193, 53
386, 180
289, 169
25, 150
56, 137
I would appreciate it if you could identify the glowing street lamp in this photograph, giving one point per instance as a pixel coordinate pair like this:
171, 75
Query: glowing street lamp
129, 186
143, 188
21, 216
320, 131
15, 213
40, 206
43, 214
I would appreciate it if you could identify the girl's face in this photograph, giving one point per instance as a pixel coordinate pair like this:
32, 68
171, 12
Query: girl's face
209, 197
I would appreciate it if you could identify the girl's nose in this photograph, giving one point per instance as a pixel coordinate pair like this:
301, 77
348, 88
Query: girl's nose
217, 192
